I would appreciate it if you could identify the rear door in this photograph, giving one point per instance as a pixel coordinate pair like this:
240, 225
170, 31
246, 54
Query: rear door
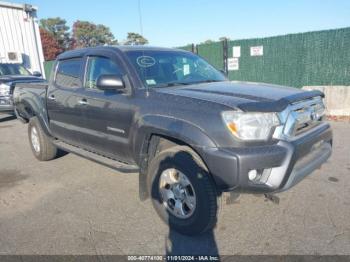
65, 116
108, 114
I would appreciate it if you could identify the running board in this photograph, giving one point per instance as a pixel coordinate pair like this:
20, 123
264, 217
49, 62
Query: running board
111, 163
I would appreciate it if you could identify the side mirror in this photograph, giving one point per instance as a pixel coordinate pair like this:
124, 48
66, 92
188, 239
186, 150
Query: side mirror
110, 82
37, 74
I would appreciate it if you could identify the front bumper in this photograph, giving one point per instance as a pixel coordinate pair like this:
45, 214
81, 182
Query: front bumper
281, 165
6, 104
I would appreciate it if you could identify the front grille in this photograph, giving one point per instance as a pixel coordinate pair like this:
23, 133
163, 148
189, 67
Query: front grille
5, 101
308, 116
302, 116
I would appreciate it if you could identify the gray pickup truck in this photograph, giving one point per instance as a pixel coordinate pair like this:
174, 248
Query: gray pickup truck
10, 75
170, 116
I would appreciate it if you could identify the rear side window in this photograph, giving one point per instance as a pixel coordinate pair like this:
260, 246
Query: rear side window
68, 73
98, 66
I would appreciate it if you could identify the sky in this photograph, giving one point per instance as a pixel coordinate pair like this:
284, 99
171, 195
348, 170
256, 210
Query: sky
173, 23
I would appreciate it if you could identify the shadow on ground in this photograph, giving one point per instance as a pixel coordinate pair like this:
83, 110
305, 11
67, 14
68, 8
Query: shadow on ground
177, 244
5, 118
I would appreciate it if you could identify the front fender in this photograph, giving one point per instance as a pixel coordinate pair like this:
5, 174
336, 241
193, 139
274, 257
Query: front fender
169, 127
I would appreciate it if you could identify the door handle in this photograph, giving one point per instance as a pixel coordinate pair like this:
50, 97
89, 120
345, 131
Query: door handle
83, 102
52, 97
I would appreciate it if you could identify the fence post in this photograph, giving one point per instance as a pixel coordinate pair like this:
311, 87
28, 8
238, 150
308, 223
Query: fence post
225, 54
194, 48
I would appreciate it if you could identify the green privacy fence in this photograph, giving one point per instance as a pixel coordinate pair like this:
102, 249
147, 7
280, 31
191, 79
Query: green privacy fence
313, 58
48, 67
187, 47
213, 52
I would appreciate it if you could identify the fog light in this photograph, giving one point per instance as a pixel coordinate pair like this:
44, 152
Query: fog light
252, 174
259, 176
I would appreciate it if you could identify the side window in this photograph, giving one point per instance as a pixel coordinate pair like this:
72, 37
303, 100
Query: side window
68, 73
98, 66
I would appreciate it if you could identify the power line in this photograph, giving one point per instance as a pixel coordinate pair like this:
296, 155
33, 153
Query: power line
140, 17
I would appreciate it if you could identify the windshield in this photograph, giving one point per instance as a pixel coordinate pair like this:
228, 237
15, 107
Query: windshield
13, 69
169, 68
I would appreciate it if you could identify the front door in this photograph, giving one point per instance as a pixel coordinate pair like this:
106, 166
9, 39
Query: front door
108, 114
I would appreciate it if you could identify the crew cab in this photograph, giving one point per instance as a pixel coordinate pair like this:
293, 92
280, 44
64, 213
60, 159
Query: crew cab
10, 75
172, 117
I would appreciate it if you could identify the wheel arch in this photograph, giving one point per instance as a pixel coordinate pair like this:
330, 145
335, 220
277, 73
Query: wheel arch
29, 110
155, 140
166, 131
159, 143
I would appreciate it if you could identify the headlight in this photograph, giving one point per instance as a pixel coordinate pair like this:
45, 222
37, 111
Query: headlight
250, 126
4, 90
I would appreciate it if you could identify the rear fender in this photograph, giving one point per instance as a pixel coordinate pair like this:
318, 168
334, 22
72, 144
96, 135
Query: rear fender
34, 104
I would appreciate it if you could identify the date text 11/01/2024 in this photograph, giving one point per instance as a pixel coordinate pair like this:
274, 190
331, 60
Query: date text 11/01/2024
173, 258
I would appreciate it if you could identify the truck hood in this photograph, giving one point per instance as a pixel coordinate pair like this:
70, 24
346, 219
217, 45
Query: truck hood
257, 97
19, 79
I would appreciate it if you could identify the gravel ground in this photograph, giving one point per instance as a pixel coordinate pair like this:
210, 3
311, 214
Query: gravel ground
74, 206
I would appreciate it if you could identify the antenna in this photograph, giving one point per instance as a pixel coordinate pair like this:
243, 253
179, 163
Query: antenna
140, 17
141, 32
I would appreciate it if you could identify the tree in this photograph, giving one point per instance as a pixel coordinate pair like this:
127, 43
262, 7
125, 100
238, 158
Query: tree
50, 45
209, 41
135, 39
87, 34
59, 29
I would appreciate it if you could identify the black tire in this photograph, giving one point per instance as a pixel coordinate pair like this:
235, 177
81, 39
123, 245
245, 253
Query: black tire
183, 159
47, 150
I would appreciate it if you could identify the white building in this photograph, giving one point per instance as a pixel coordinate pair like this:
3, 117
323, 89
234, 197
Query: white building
20, 37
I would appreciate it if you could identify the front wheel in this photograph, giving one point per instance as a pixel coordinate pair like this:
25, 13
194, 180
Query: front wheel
182, 191
41, 145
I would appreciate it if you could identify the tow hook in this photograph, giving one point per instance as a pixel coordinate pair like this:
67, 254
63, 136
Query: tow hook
273, 198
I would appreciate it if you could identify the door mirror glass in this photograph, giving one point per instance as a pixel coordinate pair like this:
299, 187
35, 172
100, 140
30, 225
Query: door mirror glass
110, 82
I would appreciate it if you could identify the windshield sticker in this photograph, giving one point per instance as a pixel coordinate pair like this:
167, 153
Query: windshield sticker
145, 61
186, 69
150, 81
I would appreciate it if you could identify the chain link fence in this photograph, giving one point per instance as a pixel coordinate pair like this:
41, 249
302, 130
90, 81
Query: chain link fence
305, 59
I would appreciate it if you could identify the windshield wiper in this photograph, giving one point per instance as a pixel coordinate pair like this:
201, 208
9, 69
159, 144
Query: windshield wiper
207, 81
172, 84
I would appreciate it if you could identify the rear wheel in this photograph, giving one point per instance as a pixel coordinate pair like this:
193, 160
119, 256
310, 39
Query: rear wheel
41, 145
182, 191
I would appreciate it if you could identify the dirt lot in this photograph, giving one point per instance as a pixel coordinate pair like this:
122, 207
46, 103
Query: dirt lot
74, 206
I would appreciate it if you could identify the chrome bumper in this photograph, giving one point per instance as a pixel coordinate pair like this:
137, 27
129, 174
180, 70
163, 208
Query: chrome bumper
6, 104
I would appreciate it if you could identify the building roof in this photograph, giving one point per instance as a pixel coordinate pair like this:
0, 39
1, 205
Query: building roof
17, 6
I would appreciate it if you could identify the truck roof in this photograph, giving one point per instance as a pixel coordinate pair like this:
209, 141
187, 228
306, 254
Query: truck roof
122, 48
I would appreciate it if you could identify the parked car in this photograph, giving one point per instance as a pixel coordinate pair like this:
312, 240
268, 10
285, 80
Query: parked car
10, 75
171, 116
